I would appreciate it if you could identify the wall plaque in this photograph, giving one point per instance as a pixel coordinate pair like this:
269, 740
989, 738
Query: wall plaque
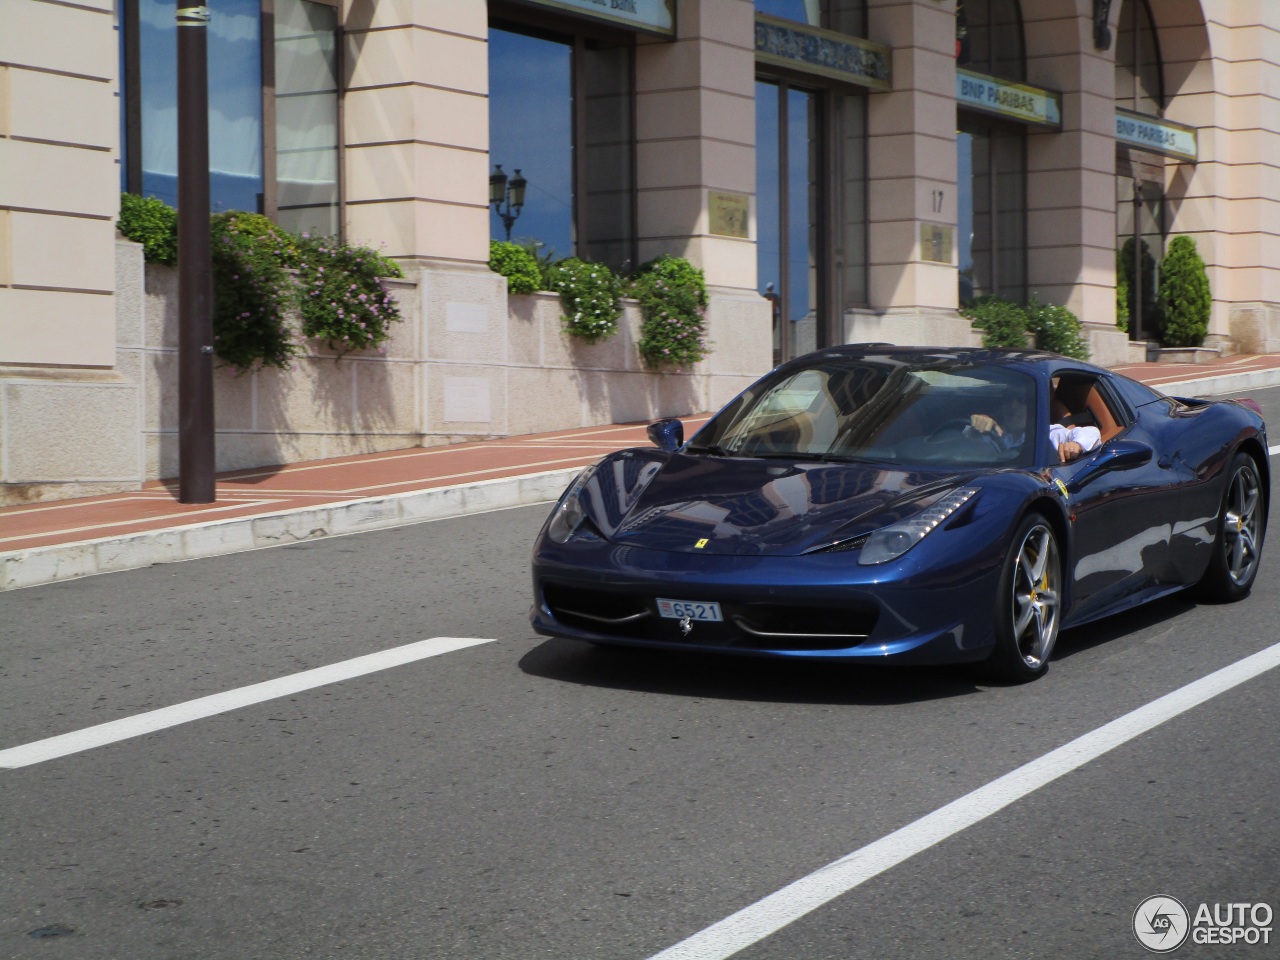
730, 214
935, 242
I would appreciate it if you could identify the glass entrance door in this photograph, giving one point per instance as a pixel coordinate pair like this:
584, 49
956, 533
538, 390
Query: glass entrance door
789, 212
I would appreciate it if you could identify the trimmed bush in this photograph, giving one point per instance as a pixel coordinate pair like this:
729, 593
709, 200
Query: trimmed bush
1185, 299
517, 264
1056, 329
673, 299
152, 223
1003, 323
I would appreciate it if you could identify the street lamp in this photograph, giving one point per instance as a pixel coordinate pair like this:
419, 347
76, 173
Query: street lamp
507, 196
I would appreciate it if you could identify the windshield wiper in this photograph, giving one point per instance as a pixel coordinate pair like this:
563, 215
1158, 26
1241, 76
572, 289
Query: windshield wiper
852, 458
712, 448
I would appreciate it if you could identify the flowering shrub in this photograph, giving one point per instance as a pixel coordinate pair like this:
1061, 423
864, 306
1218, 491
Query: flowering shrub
589, 295
251, 291
517, 264
1057, 329
338, 289
673, 299
152, 223
341, 296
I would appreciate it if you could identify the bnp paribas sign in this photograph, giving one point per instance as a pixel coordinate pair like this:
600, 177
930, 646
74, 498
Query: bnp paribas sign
651, 16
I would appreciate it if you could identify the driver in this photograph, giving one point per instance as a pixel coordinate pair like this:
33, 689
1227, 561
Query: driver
1069, 442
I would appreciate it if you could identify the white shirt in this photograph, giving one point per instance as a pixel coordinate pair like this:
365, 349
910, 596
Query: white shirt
1087, 437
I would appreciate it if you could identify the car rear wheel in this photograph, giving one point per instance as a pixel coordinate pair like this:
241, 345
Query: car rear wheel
1238, 548
1029, 603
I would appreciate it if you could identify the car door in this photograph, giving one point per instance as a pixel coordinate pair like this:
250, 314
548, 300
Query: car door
1122, 499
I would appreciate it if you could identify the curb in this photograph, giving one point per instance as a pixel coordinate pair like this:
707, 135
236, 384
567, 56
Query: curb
68, 561
1214, 384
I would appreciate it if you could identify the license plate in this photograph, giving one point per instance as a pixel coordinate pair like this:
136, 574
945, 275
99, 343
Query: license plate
689, 610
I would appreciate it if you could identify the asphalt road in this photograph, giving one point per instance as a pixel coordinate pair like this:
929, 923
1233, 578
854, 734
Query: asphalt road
529, 798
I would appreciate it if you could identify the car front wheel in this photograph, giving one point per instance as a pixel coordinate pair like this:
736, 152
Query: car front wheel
1029, 603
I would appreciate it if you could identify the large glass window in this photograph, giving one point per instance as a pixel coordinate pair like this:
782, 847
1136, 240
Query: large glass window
991, 176
991, 167
989, 38
273, 109
1140, 204
1139, 84
306, 121
846, 16
235, 103
789, 217
560, 112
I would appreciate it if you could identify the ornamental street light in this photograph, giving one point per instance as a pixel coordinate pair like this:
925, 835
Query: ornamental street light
507, 196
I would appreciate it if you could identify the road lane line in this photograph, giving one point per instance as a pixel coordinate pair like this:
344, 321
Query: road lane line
785, 906
135, 726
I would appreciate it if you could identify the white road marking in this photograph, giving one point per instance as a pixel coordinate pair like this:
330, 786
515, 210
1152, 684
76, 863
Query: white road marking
135, 726
767, 916
1273, 450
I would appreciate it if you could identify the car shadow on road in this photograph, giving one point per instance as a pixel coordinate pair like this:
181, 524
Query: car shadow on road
687, 674
1079, 640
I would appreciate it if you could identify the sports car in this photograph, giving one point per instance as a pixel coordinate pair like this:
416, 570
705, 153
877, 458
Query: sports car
877, 503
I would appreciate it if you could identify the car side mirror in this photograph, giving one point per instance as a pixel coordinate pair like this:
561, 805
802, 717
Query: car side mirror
1123, 455
667, 434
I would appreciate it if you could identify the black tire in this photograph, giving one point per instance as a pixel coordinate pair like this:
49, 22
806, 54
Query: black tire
1237, 550
1028, 607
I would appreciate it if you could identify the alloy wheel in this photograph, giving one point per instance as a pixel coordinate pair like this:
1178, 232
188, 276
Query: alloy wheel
1037, 592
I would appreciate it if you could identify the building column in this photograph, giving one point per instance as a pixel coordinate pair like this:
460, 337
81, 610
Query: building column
1071, 175
1226, 83
69, 404
417, 128
911, 142
695, 176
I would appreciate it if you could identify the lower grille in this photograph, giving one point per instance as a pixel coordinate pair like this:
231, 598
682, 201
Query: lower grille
747, 626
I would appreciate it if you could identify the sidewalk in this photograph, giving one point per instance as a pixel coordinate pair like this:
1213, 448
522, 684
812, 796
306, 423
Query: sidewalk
64, 539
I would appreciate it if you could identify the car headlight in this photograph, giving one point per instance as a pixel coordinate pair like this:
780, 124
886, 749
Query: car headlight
568, 514
889, 543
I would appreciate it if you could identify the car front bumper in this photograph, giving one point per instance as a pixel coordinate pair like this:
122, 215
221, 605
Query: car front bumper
823, 605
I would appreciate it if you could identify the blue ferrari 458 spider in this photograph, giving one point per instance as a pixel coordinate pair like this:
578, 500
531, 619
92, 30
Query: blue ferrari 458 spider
910, 505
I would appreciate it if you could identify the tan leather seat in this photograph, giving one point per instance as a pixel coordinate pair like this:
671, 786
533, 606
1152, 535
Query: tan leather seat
1073, 397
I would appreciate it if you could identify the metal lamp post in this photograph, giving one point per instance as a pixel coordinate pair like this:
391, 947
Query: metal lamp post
507, 196
196, 454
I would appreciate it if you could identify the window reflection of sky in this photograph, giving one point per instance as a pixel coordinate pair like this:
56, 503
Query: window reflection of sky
768, 250
805, 11
235, 102
530, 129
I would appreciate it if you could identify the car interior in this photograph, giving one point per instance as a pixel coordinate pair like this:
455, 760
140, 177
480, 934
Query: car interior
1077, 400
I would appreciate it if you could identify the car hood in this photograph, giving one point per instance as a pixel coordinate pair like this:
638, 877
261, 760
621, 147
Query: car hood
750, 507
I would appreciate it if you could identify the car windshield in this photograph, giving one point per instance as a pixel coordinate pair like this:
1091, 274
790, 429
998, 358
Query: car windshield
880, 409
